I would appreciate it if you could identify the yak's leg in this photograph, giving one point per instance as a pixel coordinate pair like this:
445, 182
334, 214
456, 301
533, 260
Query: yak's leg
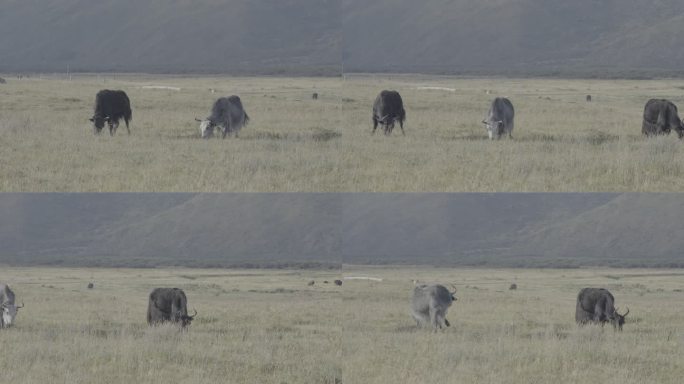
388, 128
419, 321
401, 125
441, 319
375, 125
434, 317
127, 127
113, 125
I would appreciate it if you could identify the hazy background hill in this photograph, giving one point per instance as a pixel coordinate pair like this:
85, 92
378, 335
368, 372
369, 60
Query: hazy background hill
583, 37
195, 36
313, 230
167, 229
515, 230
609, 37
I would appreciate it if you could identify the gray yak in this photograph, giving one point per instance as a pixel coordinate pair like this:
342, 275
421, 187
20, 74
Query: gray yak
168, 305
597, 305
661, 117
499, 119
430, 303
110, 107
388, 108
227, 114
7, 306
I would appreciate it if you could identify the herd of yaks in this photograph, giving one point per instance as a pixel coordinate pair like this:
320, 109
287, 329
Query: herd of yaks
229, 116
429, 306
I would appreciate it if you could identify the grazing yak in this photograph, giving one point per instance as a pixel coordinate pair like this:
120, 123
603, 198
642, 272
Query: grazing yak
314, 96
499, 119
660, 117
168, 305
7, 306
388, 108
597, 305
338, 282
430, 303
228, 114
110, 107
588, 98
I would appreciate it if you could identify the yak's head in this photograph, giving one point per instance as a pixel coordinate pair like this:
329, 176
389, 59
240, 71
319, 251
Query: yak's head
9, 313
494, 128
618, 320
680, 129
99, 122
453, 293
186, 320
206, 127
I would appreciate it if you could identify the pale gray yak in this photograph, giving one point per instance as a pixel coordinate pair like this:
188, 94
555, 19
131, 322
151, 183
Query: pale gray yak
227, 114
388, 108
430, 303
7, 306
499, 119
168, 305
661, 117
597, 305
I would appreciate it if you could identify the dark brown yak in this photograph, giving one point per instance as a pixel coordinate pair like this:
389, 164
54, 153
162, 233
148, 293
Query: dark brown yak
597, 305
168, 305
388, 109
660, 118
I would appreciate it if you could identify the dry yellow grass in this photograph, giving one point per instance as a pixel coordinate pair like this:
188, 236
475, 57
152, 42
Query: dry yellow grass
522, 336
251, 327
289, 144
294, 143
257, 326
561, 142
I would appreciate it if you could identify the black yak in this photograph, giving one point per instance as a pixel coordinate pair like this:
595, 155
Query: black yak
110, 107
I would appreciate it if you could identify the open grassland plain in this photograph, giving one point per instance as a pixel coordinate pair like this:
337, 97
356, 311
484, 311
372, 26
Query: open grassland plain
295, 143
561, 142
269, 326
521, 336
252, 327
289, 144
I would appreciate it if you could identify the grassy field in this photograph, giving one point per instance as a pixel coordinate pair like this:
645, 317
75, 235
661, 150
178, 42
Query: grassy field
561, 142
259, 326
289, 144
294, 143
252, 326
522, 336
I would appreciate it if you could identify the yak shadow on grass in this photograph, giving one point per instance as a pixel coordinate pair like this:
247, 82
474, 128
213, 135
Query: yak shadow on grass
320, 135
593, 138
407, 329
